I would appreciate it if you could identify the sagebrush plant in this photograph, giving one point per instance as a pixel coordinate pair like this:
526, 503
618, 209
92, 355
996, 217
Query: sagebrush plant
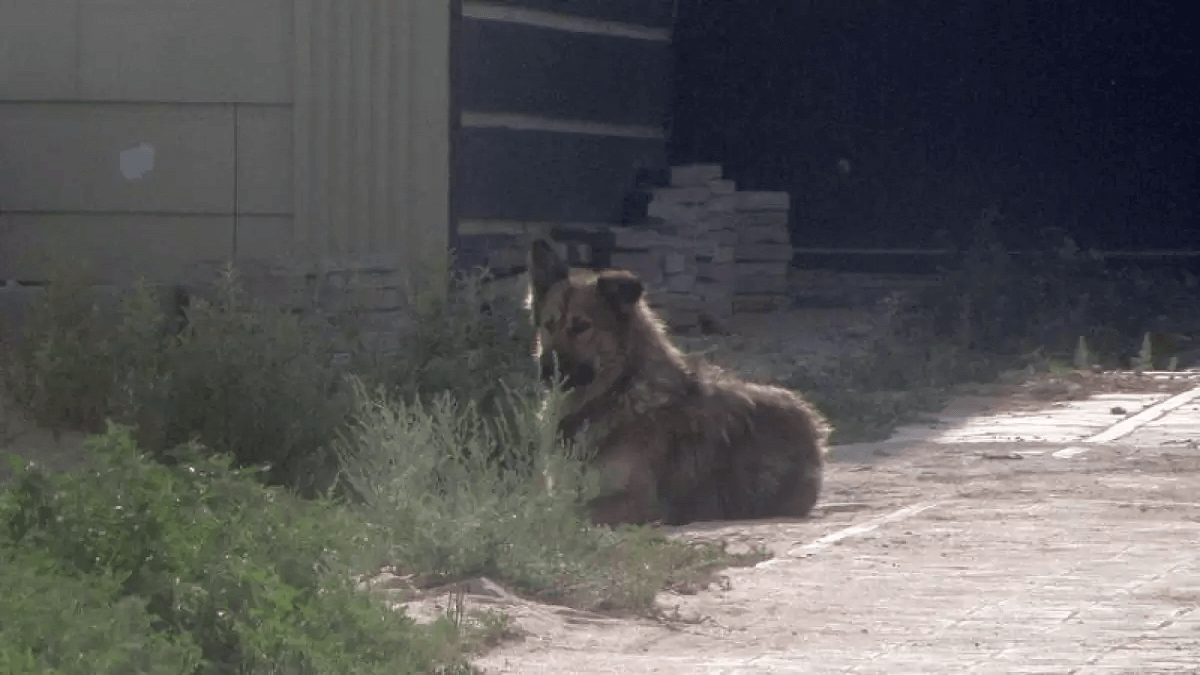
432, 485
199, 566
473, 341
241, 377
254, 381
62, 372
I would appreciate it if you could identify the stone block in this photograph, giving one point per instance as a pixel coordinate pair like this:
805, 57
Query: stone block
722, 187
763, 201
684, 215
718, 222
675, 262
760, 284
717, 272
724, 254
675, 301
626, 239
646, 265
656, 225
682, 195
723, 203
718, 308
690, 175
683, 282
760, 234
758, 302
775, 252
773, 268
724, 237
777, 219
707, 289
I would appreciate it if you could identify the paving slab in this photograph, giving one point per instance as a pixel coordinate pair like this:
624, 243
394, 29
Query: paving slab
974, 550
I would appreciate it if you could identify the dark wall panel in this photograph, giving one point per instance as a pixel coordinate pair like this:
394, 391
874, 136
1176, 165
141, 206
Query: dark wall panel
655, 13
506, 67
544, 176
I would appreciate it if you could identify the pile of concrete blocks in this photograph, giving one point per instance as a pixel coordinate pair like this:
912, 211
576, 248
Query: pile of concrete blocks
707, 250
763, 253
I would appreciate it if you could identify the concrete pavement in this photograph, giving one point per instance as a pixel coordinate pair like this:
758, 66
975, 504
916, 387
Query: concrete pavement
970, 546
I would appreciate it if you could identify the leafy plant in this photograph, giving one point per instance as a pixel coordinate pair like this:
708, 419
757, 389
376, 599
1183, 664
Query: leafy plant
205, 567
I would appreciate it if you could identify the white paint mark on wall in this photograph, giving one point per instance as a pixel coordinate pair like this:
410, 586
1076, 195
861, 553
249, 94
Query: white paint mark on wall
137, 161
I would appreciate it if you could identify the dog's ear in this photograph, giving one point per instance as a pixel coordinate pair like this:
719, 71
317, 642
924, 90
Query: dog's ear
546, 267
620, 289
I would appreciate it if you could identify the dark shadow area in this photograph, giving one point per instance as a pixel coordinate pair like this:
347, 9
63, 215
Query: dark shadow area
895, 124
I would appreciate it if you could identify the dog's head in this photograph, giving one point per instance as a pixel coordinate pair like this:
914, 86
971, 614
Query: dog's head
582, 318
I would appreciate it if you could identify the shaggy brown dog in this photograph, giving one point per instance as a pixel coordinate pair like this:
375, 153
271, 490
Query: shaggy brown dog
677, 440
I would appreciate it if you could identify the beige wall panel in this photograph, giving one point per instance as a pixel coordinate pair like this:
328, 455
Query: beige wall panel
116, 157
265, 239
372, 133
264, 165
428, 226
186, 50
118, 248
37, 49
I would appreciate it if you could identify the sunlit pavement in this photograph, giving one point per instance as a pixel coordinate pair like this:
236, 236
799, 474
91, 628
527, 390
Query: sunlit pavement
1042, 541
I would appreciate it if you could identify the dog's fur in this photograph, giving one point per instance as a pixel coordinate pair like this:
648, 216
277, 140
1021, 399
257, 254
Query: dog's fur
677, 440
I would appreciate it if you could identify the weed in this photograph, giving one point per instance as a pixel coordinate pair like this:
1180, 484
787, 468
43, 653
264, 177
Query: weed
200, 564
62, 372
1082, 358
473, 342
433, 489
241, 378
256, 382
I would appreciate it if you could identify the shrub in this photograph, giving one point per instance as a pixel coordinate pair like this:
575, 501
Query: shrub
240, 378
429, 482
254, 381
473, 342
257, 382
64, 624
206, 569
62, 372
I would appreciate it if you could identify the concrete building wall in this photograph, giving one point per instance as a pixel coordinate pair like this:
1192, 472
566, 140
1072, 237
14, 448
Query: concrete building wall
165, 137
372, 133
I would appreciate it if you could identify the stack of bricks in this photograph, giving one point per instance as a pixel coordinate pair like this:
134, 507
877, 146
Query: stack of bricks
707, 250
763, 253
